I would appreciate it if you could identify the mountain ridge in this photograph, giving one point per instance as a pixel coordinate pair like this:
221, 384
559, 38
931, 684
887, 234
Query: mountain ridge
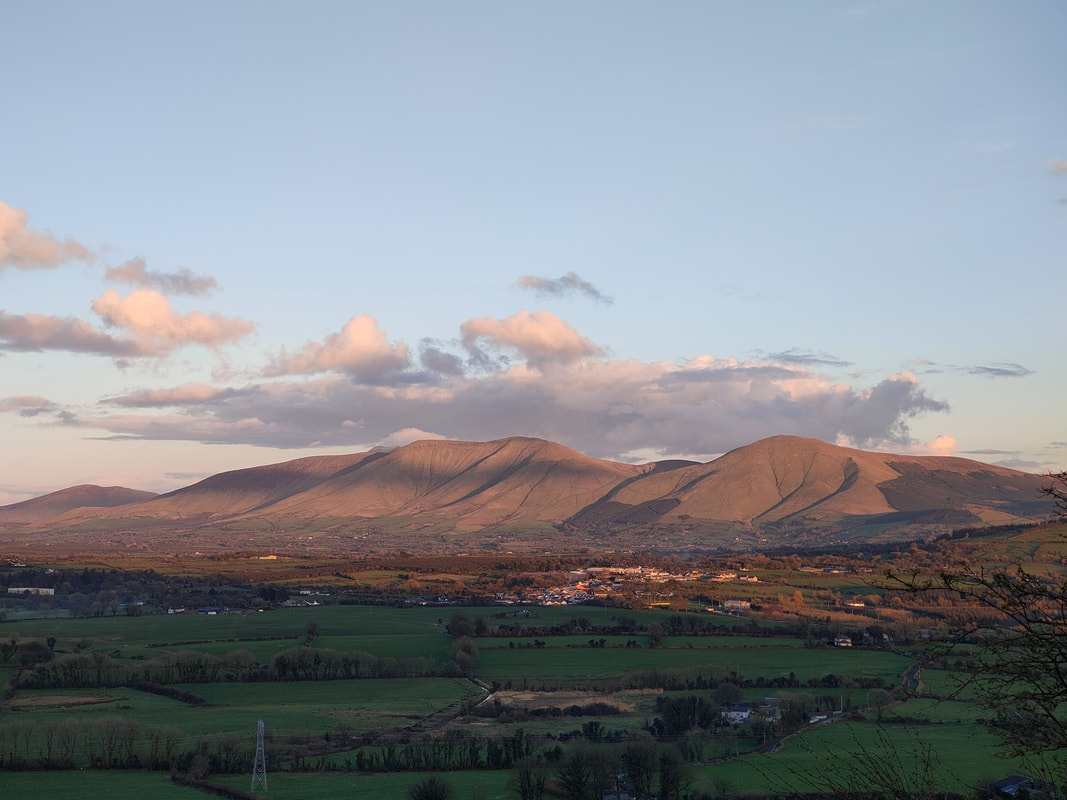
524, 490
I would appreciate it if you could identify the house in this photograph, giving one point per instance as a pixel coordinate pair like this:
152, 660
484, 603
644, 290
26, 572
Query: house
1019, 786
736, 606
737, 714
30, 590
843, 641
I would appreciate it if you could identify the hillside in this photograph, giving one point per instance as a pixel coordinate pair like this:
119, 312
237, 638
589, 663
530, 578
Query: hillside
787, 479
50, 506
522, 493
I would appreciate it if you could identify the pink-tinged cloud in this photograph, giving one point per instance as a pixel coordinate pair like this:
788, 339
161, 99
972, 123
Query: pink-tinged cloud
38, 332
24, 248
361, 349
150, 320
606, 408
943, 445
26, 405
136, 273
1056, 166
186, 394
540, 337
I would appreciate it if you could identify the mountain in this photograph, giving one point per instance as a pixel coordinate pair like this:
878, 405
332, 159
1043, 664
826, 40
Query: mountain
792, 482
522, 493
52, 505
472, 484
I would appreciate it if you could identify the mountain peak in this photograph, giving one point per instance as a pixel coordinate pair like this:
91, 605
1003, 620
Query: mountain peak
460, 493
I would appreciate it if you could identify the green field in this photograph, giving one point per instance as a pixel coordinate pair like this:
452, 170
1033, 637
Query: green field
957, 756
565, 668
757, 657
287, 708
82, 784
478, 785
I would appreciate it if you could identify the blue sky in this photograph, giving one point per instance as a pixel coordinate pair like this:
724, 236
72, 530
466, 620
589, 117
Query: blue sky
237, 233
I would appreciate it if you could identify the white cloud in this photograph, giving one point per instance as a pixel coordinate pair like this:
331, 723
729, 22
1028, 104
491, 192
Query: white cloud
408, 435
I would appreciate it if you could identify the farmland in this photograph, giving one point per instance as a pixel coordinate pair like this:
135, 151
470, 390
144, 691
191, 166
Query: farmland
365, 692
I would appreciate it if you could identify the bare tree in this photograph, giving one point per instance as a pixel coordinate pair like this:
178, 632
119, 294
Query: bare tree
874, 766
1016, 643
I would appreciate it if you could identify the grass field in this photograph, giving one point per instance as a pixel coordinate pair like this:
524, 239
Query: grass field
958, 754
83, 784
479, 785
964, 750
286, 708
763, 659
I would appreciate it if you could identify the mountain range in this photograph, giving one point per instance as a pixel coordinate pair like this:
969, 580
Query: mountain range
523, 493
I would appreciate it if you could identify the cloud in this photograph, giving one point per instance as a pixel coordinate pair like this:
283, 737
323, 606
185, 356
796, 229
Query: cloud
408, 435
134, 272
158, 329
26, 406
439, 361
185, 394
570, 283
1002, 370
360, 349
539, 337
795, 355
1056, 166
601, 406
879, 414
24, 248
38, 332
943, 445
1021, 464
153, 328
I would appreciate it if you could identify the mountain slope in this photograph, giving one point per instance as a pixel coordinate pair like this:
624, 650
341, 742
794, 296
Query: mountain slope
781, 489
788, 477
479, 483
53, 505
229, 494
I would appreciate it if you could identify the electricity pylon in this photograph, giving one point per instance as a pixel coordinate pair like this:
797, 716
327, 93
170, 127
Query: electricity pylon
259, 769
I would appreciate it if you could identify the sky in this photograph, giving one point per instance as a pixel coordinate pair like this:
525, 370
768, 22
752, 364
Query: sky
233, 234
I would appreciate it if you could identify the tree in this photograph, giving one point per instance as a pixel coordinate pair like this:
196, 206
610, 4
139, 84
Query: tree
574, 775
873, 767
639, 763
8, 649
529, 779
1018, 638
32, 653
879, 700
674, 777
432, 788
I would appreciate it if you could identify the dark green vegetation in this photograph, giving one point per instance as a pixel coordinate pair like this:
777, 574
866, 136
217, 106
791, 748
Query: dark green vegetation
370, 693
